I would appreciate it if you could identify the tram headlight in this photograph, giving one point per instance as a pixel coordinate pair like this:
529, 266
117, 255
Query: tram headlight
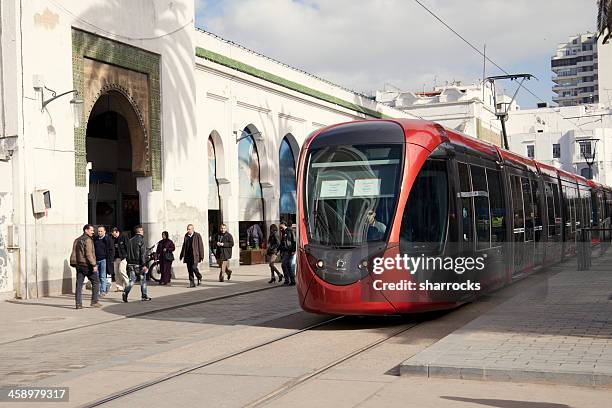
363, 264
320, 264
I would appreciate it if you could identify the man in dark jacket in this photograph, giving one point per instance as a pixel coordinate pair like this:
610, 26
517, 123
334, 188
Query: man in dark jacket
254, 236
83, 258
224, 244
137, 263
287, 250
104, 255
192, 253
120, 243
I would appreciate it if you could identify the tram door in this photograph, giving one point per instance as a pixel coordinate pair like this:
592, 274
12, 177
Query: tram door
518, 225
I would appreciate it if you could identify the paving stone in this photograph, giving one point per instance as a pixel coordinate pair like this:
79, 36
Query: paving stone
559, 330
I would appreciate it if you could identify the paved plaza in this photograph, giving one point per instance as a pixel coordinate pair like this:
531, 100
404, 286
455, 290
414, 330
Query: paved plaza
243, 343
559, 331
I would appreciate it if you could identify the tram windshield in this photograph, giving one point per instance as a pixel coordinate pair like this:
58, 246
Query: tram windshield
351, 193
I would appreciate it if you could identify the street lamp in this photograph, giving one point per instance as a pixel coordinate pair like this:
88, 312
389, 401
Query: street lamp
588, 154
245, 133
76, 103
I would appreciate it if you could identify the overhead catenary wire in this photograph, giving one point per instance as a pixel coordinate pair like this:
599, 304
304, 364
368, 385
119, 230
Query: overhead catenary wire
487, 58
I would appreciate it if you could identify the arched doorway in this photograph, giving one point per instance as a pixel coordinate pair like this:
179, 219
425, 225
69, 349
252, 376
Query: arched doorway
250, 191
115, 150
287, 173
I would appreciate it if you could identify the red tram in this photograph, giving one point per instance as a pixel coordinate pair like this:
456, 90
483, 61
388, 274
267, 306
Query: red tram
385, 188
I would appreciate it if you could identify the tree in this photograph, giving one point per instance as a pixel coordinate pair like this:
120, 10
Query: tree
604, 19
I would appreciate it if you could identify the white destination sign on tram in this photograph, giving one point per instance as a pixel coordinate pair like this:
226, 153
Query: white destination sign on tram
366, 187
333, 188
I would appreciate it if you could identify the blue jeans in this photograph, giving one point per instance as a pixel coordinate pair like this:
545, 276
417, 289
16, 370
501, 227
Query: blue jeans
102, 275
287, 268
134, 270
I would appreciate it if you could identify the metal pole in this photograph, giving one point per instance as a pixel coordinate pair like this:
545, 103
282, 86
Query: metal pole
504, 133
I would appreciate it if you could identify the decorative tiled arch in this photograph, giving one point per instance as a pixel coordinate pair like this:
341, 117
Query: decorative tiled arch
87, 45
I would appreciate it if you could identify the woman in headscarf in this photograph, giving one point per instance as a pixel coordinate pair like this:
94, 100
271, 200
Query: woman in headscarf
165, 255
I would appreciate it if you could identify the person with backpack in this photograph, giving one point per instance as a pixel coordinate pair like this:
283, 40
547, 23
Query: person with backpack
83, 258
137, 264
272, 252
287, 249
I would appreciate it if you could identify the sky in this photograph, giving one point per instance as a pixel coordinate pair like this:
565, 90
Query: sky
366, 45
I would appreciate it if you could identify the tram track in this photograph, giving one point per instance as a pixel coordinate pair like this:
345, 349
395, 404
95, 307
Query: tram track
128, 391
277, 393
139, 314
296, 382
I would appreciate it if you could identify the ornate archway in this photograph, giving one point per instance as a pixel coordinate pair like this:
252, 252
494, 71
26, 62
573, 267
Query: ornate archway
101, 65
117, 152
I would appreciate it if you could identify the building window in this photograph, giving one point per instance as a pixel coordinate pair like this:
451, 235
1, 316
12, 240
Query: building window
556, 151
586, 173
531, 151
585, 150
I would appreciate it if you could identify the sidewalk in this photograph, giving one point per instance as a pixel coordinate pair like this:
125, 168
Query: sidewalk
31, 318
559, 331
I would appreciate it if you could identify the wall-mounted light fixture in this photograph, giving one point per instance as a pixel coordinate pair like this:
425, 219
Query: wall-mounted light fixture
256, 135
76, 103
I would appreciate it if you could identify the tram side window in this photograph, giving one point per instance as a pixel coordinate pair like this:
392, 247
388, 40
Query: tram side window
537, 219
481, 207
467, 212
566, 211
572, 209
425, 218
595, 221
528, 209
517, 205
550, 207
557, 208
498, 207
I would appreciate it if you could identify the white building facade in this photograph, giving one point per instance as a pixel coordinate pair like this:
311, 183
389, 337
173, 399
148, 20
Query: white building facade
575, 68
568, 138
466, 108
168, 126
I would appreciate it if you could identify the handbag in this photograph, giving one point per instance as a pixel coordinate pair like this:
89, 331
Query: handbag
168, 256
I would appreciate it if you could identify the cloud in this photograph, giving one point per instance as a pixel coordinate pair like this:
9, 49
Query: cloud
363, 44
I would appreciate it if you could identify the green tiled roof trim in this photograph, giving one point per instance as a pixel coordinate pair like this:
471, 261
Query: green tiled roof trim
87, 45
275, 79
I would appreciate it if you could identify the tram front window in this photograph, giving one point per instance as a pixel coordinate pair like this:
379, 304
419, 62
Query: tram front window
351, 192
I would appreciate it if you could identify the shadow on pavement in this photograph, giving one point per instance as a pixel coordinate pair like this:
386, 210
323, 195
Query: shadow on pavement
500, 403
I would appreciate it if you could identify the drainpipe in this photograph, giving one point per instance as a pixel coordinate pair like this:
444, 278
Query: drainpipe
22, 158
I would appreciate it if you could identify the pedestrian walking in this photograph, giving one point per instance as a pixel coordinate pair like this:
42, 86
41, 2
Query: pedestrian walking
273, 253
104, 255
83, 258
165, 256
224, 244
137, 264
287, 250
192, 253
120, 243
